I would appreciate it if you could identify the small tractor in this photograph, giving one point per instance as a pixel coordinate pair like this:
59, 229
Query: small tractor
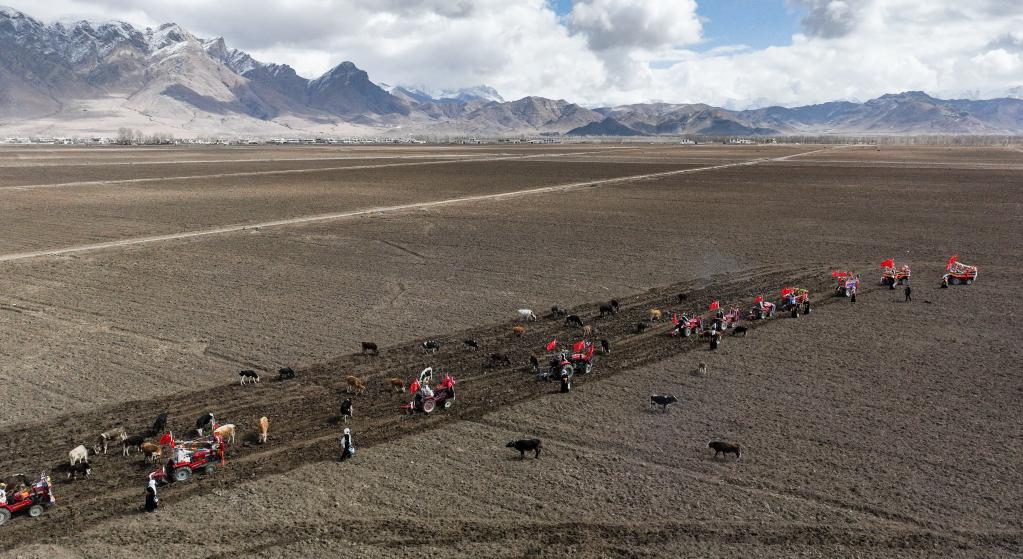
958, 273
845, 283
892, 276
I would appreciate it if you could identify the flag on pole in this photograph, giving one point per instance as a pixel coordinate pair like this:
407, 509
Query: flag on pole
578, 347
553, 344
952, 261
715, 306
760, 299
890, 263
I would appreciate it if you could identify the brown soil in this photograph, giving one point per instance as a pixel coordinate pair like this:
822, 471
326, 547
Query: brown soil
876, 429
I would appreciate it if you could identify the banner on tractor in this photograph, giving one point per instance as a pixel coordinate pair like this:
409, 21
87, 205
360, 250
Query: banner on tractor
952, 261
674, 319
715, 306
578, 347
760, 299
552, 345
890, 263
167, 440
787, 291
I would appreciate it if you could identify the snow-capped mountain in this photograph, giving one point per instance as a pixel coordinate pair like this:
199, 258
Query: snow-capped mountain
80, 77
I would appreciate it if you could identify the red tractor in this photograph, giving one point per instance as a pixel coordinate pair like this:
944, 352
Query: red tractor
845, 283
892, 276
762, 309
686, 325
726, 320
426, 399
191, 457
33, 500
958, 273
792, 298
565, 365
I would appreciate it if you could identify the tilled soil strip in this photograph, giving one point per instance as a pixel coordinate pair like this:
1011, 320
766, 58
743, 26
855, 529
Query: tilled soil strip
304, 411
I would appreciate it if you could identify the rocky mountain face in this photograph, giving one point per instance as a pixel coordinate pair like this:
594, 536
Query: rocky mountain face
84, 77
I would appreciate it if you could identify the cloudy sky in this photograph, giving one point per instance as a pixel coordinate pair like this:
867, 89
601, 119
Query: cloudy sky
732, 53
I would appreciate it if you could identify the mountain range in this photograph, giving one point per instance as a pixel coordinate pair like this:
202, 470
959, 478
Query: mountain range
80, 78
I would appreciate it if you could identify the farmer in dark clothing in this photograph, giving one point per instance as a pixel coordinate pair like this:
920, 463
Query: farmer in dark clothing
151, 499
909, 293
168, 471
852, 297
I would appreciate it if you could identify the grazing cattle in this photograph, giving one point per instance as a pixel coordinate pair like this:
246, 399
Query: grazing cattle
655, 315
105, 437
641, 327
740, 331
607, 310
78, 454
370, 348
285, 373
519, 330
151, 451
573, 319
663, 400
248, 376
346, 410
724, 448
160, 424
499, 359
526, 314
587, 330
524, 446
225, 432
431, 346
682, 297
82, 468
134, 441
471, 345
354, 384
558, 312
264, 429
534, 363
397, 384
201, 423
701, 368
605, 346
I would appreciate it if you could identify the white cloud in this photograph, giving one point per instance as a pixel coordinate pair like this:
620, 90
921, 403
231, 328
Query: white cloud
610, 51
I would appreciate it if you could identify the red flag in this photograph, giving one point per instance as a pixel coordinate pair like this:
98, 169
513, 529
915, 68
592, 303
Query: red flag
890, 263
552, 345
674, 319
414, 387
760, 299
167, 440
787, 291
715, 306
952, 261
578, 347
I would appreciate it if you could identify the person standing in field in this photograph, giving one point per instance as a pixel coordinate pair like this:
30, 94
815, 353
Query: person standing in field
909, 293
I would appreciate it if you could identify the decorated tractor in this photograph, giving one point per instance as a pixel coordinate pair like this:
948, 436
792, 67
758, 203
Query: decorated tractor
845, 283
958, 273
794, 297
892, 276
725, 320
685, 325
565, 365
32, 500
761, 309
426, 399
191, 457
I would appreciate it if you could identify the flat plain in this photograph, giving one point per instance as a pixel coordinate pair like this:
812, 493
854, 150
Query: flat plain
137, 280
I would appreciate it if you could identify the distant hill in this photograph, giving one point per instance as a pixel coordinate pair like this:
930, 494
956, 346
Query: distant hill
93, 78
